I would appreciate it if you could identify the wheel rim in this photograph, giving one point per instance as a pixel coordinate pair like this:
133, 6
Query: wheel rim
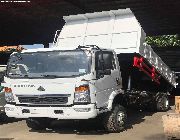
120, 118
166, 102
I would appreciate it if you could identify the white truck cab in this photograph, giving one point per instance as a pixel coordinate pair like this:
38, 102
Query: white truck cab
75, 80
69, 82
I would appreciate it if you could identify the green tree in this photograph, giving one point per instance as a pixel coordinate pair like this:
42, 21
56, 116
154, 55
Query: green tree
163, 41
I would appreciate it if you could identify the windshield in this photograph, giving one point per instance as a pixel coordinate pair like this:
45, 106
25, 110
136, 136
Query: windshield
49, 64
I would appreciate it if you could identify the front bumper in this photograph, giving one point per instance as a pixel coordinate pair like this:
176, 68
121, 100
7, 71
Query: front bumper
49, 112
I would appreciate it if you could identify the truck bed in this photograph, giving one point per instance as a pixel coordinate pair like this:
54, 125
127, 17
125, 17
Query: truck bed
171, 56
116, 29
142, 78
155, 61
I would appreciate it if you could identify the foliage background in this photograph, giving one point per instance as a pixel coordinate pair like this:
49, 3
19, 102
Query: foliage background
164, 40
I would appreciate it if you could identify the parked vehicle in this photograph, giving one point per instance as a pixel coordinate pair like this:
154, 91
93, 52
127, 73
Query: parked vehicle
5, 52
3, 116
75, 80
2, 97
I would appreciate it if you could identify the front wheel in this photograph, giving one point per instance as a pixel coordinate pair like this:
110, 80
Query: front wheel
115, 120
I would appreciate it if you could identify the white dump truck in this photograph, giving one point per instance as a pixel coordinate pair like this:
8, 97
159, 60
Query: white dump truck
2, 96
99, 65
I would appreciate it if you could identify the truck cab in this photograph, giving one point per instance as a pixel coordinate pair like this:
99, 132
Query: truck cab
71, 84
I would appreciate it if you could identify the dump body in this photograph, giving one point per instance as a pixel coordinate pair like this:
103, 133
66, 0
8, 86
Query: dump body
118, 30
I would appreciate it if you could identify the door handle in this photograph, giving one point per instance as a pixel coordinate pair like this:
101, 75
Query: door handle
118, 81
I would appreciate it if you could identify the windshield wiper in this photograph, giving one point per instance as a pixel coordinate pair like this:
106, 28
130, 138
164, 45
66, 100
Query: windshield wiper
52, 76
27, 76
20, 75
15, 74
76, 75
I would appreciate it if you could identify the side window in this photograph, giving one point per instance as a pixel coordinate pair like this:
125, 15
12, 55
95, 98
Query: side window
109, 61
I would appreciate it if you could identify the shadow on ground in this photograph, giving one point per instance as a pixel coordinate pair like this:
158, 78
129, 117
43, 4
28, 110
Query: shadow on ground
92, 127
161, 137
7, 120
156, 137
136, 117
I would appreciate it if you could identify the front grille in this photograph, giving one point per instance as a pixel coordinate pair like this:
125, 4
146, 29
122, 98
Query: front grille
44, 99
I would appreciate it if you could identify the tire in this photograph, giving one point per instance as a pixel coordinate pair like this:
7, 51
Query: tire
3, 117
115, 120
162, 103
36, 123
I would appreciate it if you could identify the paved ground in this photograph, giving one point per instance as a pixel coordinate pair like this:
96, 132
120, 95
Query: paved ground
141, 126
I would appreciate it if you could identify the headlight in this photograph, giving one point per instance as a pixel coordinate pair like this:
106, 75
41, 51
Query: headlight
9, 97
82, 94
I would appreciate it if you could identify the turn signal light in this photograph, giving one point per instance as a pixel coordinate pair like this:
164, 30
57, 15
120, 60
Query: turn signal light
7, 90
82, 88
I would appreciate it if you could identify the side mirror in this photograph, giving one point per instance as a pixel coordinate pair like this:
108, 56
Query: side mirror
14, 66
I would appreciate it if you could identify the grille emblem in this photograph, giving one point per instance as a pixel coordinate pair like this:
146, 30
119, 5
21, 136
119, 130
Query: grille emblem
41, 88
41, 97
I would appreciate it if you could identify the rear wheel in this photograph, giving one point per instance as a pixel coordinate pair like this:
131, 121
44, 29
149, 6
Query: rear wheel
115, 120
162, 103
37, 123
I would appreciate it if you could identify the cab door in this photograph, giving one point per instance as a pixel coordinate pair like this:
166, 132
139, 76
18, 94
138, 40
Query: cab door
107, 75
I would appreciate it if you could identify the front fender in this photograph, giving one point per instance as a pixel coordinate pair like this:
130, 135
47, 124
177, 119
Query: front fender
112, 97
